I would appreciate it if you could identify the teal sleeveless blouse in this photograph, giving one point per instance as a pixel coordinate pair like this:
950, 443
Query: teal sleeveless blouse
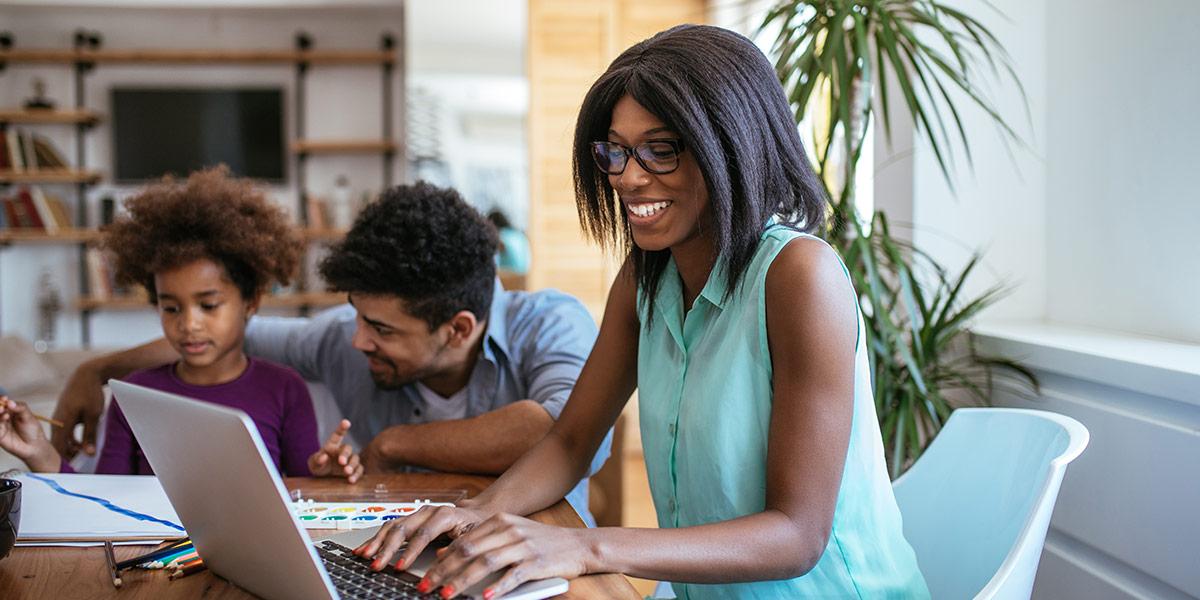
705, 395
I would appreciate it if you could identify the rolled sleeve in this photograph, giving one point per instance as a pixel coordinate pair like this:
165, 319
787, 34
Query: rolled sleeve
554, 350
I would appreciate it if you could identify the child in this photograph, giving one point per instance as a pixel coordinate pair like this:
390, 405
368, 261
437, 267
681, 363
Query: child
205, 251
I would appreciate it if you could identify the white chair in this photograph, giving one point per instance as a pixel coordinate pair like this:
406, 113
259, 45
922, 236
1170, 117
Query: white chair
977, 504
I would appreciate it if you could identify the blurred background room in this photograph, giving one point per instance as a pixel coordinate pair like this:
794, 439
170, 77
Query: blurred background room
1073, 214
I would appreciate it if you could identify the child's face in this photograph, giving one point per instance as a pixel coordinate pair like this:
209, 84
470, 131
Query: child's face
204, 318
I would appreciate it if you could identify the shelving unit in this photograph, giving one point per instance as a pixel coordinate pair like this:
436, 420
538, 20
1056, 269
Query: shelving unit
87, 54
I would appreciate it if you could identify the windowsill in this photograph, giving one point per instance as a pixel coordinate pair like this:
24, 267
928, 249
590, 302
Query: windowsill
1144, 364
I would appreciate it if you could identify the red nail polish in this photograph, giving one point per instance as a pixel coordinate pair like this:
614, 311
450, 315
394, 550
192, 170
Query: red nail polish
488, 593
424, 585
377, 564
447, 592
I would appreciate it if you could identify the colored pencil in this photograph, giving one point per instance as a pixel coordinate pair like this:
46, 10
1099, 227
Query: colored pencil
188, 570
178, 560
155, 555
112, 564
163, 561
166, 561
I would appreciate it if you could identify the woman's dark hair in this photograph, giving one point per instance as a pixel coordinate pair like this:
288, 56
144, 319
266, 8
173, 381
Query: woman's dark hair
210, 216
424, 245
716, 90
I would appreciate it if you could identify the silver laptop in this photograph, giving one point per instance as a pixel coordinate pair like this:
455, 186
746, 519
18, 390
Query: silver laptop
222, 483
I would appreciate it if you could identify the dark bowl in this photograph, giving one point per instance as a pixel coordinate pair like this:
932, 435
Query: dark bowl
10, 514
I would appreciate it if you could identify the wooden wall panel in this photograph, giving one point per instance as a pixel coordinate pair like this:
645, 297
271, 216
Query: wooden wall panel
570, 44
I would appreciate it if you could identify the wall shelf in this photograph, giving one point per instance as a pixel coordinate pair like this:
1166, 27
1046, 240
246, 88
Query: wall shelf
201, 57
343, 146
294, 300
323, 235
50, 176
62, 236
87, 56
20, 116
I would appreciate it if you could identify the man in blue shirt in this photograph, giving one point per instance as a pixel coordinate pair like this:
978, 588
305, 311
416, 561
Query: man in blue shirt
434, 364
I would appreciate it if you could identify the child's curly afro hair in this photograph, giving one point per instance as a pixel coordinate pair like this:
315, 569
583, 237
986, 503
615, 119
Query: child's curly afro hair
210, 216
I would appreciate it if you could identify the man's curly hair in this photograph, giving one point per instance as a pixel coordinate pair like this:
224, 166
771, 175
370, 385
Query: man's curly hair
210, 216
422, 244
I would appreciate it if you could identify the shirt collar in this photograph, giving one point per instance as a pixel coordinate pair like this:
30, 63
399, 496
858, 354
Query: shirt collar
497, 325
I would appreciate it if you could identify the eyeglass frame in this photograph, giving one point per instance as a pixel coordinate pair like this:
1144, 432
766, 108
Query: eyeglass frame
675, 144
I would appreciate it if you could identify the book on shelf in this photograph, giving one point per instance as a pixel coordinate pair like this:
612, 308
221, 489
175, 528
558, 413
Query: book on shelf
100, 274
318, 214
33, 209
5, 161
28, 213
48, 157
42, 208
12, 144
26, 152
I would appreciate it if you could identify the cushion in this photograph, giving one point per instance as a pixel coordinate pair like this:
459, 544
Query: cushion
22, 370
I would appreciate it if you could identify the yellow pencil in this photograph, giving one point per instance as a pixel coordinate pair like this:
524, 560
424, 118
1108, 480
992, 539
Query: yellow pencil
53, 422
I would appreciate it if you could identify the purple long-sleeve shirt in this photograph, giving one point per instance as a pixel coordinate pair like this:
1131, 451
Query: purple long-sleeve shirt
274, 396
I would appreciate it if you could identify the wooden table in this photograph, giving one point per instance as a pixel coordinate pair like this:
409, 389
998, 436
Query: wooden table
66, 573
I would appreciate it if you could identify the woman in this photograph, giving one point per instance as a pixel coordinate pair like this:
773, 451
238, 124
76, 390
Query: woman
740, 332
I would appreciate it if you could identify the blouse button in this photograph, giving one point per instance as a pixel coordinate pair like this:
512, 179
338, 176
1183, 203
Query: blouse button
671, 429
671, 505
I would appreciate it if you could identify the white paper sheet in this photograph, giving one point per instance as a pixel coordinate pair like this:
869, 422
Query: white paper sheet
47, 514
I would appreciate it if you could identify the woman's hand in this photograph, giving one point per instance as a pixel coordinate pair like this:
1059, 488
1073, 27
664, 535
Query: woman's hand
523, 549
417, 531
336, 458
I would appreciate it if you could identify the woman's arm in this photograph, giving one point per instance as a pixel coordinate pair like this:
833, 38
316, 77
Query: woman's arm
811, 326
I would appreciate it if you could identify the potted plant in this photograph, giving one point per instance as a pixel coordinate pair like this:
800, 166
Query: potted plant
836, 55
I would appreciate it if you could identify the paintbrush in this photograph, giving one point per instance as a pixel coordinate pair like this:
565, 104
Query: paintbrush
53, 422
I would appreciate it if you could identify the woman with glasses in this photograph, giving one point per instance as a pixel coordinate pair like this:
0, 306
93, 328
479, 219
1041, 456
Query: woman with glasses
741, 333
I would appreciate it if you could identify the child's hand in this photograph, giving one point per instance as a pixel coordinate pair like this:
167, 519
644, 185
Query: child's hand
22, 435
336, 459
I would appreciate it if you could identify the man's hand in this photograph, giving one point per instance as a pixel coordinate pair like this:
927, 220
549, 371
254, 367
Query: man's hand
374, 458
82, 401
336, 458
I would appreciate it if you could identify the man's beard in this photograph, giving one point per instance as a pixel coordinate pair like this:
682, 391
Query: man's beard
390, 379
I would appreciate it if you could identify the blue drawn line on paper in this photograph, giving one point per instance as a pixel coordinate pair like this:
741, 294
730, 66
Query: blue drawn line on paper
102, 502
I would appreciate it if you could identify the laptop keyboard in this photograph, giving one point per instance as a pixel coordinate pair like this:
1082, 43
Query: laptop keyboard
354, 578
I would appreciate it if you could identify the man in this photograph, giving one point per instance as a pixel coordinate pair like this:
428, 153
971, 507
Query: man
432, 362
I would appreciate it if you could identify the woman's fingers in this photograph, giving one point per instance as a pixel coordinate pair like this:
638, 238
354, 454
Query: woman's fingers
439, 521
489, 548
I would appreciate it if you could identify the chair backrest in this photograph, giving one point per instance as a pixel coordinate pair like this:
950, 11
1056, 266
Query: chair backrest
977, 504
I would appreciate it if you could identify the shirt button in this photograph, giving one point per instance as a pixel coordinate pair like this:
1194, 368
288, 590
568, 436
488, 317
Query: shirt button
671, 505
671, 429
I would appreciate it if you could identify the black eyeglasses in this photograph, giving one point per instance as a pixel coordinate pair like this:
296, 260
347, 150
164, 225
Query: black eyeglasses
656, 156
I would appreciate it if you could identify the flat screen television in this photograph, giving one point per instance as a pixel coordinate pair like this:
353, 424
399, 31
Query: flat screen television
159, 131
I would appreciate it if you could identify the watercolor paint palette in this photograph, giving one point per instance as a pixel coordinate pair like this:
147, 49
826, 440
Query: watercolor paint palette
354, 515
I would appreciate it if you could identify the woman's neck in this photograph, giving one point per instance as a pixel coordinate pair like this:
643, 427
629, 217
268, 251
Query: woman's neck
217, 373
694, 259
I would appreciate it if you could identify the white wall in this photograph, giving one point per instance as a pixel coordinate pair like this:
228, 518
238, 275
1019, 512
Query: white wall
1097, 230
342, 102
998, 207
1123, 150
